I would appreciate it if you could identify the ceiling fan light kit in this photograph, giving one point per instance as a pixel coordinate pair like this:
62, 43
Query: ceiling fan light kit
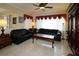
42, 6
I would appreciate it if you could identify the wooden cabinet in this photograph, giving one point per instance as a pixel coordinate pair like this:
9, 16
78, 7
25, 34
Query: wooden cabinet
5, 40
73, 27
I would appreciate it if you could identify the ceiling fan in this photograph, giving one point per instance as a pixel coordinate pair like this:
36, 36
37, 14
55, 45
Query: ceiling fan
42, 6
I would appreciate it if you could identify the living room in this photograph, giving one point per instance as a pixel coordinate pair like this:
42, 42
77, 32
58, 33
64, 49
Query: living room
24, 22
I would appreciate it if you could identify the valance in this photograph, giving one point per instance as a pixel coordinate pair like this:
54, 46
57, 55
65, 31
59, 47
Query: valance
27, 16
54, 16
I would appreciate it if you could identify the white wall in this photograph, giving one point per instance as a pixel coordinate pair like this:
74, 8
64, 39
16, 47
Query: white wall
28, 23
17, 25
25, 25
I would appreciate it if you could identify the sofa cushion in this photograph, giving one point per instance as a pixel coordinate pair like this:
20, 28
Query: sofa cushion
55, 32
20, 32
48, 31
20, 35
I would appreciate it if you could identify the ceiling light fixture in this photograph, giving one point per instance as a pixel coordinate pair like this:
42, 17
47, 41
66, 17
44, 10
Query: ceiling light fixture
42, 7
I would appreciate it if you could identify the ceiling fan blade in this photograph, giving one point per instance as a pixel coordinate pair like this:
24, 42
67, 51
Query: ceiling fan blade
48, 7
35, 5
43, 4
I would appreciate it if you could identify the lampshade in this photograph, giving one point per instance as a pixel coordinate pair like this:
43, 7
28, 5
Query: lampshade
3, 23
33, 23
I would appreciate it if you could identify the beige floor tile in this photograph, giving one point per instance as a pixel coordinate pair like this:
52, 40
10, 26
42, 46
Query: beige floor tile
39, 48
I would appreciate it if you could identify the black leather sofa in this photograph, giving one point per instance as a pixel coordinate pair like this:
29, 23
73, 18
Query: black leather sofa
54, 32
20, 35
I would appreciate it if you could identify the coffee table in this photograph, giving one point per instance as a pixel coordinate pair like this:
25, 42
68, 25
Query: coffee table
43, 37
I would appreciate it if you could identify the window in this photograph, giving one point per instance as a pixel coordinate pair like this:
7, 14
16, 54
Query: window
51, 23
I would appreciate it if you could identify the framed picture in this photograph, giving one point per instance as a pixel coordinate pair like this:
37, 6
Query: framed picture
21, 19
14, 20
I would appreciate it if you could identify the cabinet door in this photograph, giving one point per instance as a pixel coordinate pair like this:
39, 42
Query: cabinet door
73, 32
77, 30
69, 31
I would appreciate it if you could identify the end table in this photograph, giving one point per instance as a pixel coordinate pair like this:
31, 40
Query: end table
5, 40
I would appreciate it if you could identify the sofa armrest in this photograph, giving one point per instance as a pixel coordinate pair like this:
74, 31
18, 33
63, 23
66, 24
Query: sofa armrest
58, 36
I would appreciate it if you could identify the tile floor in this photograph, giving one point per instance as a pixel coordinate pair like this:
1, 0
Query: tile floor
39, 48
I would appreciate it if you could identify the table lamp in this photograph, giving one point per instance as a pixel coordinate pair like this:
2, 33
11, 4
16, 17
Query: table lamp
3, 23
33, 24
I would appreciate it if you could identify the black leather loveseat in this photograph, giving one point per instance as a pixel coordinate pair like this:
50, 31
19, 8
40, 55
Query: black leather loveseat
20, 35
56, 33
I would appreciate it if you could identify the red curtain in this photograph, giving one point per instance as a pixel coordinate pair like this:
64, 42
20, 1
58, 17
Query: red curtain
47, 16
27, 16
54, 16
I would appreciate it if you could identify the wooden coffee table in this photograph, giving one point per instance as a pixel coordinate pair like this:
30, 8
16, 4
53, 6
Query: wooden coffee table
44, 37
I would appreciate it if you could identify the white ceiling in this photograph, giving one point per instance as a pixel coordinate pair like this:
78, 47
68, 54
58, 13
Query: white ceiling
29, 9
